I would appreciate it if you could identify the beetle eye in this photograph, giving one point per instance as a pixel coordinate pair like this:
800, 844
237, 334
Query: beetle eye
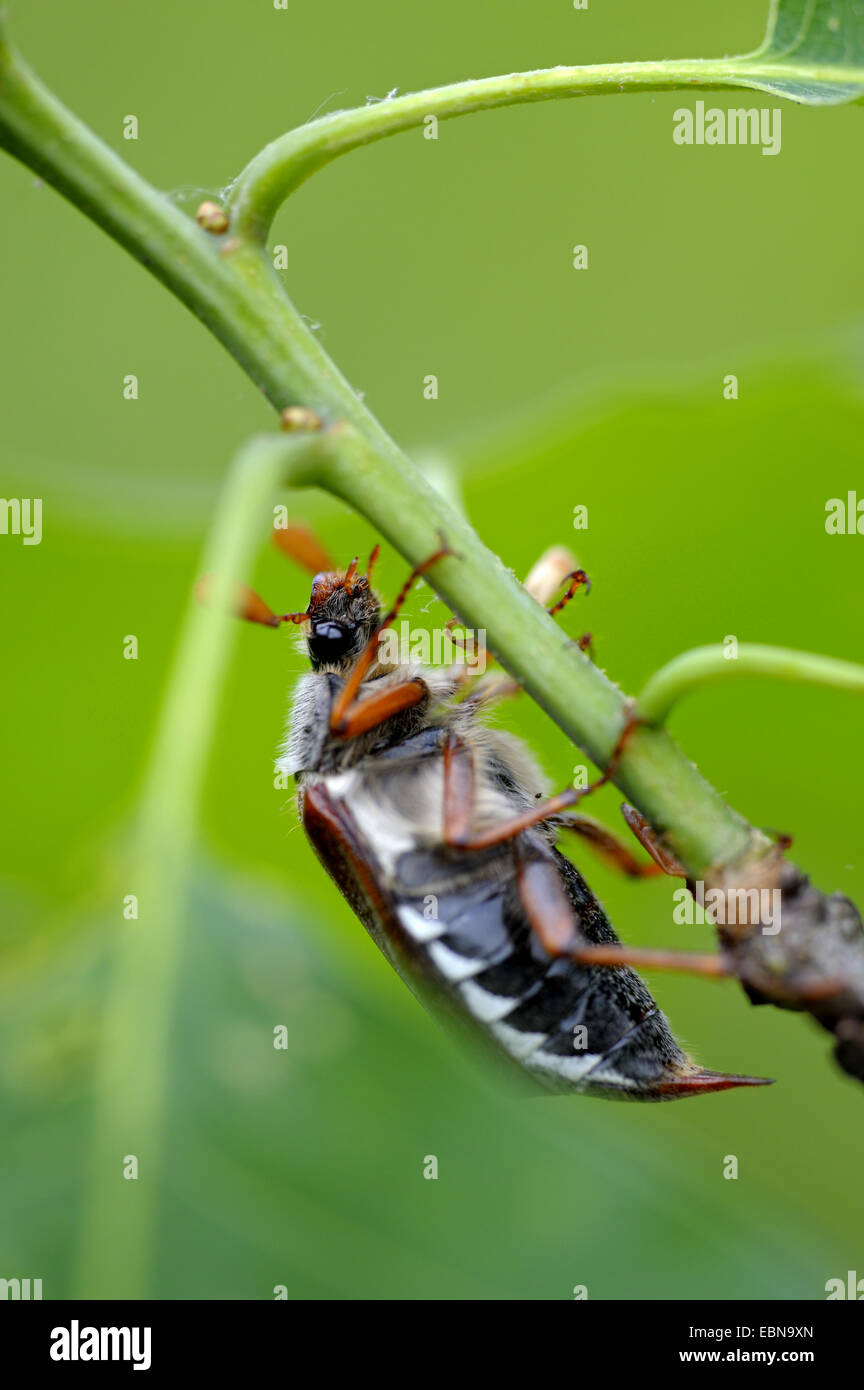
329, 641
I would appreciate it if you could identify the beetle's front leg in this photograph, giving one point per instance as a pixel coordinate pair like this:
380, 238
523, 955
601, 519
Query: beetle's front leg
360, 716
345, 712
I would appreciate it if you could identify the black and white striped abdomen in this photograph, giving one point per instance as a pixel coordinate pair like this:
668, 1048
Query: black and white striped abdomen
574, 1027
454, 926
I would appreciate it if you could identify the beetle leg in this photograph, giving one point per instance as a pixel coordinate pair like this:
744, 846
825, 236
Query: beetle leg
710, 966
494, 686
470, 671
509, 829
544, 579
556, 927
347, 695
545, 810
578, 580
611, 848
416, 573
459, 803
458, 790
554, 567
363, 715
650, 840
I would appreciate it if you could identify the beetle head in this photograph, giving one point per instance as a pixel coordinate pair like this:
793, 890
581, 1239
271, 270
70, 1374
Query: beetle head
343, 614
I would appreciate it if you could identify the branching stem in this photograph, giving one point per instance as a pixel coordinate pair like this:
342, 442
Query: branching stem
287, 162
230, 284
695, 668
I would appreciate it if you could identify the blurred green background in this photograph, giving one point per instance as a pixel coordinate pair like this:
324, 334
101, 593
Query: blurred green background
303, 1167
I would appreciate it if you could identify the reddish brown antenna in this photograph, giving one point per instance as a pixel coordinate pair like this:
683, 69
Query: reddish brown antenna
350, 572
373, 557
245, 603
302, 546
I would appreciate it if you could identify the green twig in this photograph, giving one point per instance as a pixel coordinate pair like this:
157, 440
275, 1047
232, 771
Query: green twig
287, 162
232, 287
692, 669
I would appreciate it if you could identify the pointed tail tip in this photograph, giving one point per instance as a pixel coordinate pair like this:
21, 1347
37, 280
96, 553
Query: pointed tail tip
699, 1082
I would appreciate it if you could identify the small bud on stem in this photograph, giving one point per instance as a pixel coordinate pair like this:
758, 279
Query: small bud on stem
300, 417
212, 218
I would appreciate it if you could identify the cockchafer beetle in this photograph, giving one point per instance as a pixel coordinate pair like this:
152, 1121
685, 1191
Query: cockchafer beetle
433, 827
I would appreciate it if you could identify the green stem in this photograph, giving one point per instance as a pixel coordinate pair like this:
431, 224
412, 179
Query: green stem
695, 668
664, 785
135, 1045
287, 162
232, 287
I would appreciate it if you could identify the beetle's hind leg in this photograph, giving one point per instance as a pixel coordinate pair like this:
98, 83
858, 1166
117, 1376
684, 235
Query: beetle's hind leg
543, 896
546, 904
555, 925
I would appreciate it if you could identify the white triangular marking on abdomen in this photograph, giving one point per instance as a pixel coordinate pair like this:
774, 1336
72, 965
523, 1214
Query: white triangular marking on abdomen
454, 967
485, 1006
420, 928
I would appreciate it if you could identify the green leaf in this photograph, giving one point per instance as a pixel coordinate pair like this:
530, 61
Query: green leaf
813, 52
